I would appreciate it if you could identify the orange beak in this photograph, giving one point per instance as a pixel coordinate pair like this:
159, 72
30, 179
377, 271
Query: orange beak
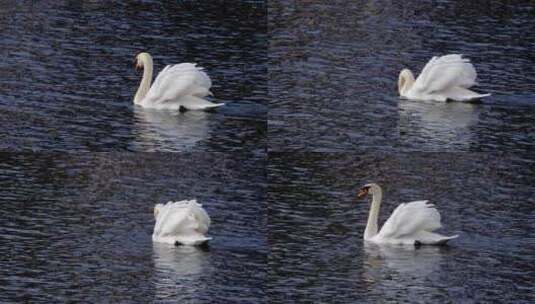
362, 193
138, 65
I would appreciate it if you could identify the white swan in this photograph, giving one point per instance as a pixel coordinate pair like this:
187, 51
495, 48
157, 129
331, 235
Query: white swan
181, 223
442, 78
410, 224
177, 86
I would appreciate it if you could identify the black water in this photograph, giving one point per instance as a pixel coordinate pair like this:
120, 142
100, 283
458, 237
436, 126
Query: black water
316, 225
67, 77
334, 68
78, 228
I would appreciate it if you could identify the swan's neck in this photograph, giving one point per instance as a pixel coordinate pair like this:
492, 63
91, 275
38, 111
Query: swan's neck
373, 217
144, 86
405, 82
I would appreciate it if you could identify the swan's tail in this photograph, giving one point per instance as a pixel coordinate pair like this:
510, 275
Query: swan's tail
431, 238
195, 103
191, 240
462, 94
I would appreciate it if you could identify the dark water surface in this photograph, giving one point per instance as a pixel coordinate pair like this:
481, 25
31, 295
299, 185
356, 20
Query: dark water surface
334, 67
286, 228
316, 227
67, 78
78, 228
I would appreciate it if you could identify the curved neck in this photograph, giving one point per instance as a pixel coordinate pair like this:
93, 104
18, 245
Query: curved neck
405, 82
373, 217
144, 86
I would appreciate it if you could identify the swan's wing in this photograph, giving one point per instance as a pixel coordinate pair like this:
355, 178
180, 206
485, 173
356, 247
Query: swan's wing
171, 219
410, 218
174, 219
200, 218
200, 77
175, 81
182, 218
448, 71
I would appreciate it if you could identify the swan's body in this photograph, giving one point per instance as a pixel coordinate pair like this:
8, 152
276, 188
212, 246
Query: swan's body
181, 223
442, 78
410, 224
177, 86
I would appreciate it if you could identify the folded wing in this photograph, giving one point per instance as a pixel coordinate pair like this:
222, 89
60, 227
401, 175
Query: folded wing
182, 218
179, 80
442, 73
409, 219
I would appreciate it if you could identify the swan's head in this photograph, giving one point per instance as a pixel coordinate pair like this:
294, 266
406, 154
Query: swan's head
157, 210
368, 189
143, 59
405, 81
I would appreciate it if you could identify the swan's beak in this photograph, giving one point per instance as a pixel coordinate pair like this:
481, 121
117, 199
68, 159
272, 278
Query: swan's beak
362, 193
138, 65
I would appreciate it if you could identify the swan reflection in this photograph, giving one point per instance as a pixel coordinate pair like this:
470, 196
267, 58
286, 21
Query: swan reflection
179, 260
167, 130
179, 271
398, 263
439, 123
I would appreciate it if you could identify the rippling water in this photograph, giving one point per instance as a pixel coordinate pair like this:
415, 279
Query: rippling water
78, 228
67, 78
285, 224
315, 229
334, 67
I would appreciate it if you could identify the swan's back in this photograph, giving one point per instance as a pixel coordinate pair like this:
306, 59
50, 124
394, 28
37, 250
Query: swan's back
409, 219
198, 75
445, 72
179, 81
182, 221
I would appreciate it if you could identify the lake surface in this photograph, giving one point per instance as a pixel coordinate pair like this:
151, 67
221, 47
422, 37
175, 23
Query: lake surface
67, 77
316, 225
77, 228
334, 68
309, 77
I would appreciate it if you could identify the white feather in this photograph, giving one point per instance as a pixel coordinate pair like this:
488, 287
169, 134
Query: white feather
185, 222
409, 218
